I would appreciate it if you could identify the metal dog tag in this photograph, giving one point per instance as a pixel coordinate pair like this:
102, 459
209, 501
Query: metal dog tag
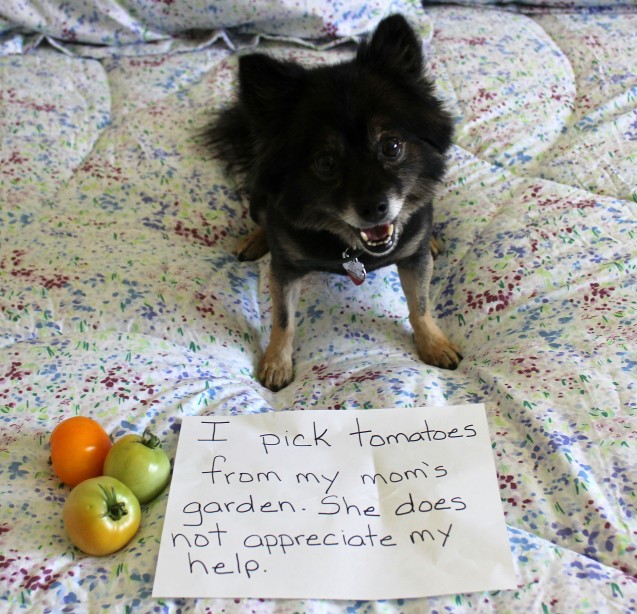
354, 268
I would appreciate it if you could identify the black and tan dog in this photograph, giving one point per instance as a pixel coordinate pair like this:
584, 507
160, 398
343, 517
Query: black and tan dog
341, 163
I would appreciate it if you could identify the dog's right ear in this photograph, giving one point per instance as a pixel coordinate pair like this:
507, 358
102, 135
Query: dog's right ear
394, 46
266, 84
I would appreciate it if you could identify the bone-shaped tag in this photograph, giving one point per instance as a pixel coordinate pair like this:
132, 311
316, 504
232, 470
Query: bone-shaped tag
355, 269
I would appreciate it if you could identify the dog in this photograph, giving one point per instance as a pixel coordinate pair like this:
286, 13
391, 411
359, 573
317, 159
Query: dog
340, 163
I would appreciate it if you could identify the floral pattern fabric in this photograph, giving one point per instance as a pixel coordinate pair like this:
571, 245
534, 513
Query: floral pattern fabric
133, 22
121, 299
535, 6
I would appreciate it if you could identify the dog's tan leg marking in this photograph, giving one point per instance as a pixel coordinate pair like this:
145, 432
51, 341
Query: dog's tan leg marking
253, 246
275, 369
436, 246
432, 345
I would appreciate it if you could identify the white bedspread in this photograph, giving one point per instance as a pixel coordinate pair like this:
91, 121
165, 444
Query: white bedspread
121, 299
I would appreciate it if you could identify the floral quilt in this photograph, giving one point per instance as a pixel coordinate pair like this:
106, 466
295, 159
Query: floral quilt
121, 298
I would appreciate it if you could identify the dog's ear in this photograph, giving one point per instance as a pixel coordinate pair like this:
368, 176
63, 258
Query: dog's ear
394, 46
266, 83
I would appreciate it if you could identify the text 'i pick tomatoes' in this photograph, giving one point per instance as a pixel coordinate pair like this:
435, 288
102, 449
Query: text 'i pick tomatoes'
140, 463
79, 446
101, 515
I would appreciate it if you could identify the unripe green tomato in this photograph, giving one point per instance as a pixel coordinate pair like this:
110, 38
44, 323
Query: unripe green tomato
139, 462
101, 515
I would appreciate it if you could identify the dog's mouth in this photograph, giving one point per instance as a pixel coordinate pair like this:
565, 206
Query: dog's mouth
379, 239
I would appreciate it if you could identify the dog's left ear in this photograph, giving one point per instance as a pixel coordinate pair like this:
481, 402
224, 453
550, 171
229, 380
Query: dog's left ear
266, 83
395, 46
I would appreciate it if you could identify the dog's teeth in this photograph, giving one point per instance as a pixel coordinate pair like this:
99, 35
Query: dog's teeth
379, 242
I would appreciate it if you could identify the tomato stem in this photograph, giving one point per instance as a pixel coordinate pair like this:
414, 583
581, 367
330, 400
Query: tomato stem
114, 508
149, 440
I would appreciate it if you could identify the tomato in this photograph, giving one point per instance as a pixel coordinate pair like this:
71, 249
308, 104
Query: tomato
101, 515
140, 463
79, 446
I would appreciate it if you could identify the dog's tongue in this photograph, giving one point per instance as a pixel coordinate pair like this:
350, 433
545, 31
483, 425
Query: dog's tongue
377, 233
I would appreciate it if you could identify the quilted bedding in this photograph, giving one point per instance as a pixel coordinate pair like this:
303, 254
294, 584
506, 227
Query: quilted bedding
120, 297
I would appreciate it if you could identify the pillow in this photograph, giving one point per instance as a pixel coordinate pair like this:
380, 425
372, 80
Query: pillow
118, 22
523, 5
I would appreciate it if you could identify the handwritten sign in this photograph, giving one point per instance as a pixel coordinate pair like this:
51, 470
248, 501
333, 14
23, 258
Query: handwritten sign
377, 504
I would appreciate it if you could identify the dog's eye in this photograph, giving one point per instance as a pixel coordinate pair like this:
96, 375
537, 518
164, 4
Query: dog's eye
391, 147
325, 164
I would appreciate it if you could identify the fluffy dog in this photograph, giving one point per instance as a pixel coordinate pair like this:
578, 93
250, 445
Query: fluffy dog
341, 163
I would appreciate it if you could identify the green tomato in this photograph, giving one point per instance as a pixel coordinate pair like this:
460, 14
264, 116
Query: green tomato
140, 463
101, 515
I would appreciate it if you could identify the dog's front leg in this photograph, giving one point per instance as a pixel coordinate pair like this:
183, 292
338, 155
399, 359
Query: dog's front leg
275, 369
432, 345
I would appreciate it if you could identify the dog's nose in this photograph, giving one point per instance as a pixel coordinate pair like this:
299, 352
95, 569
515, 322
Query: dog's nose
375, 213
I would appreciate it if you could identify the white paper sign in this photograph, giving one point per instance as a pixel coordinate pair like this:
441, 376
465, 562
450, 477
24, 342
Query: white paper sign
377, 504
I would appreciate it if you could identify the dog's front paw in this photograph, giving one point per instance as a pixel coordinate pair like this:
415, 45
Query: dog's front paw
439, 352
433, 346
275, 372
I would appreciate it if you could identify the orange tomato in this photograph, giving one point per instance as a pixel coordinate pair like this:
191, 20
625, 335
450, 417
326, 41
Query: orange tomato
79, 446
